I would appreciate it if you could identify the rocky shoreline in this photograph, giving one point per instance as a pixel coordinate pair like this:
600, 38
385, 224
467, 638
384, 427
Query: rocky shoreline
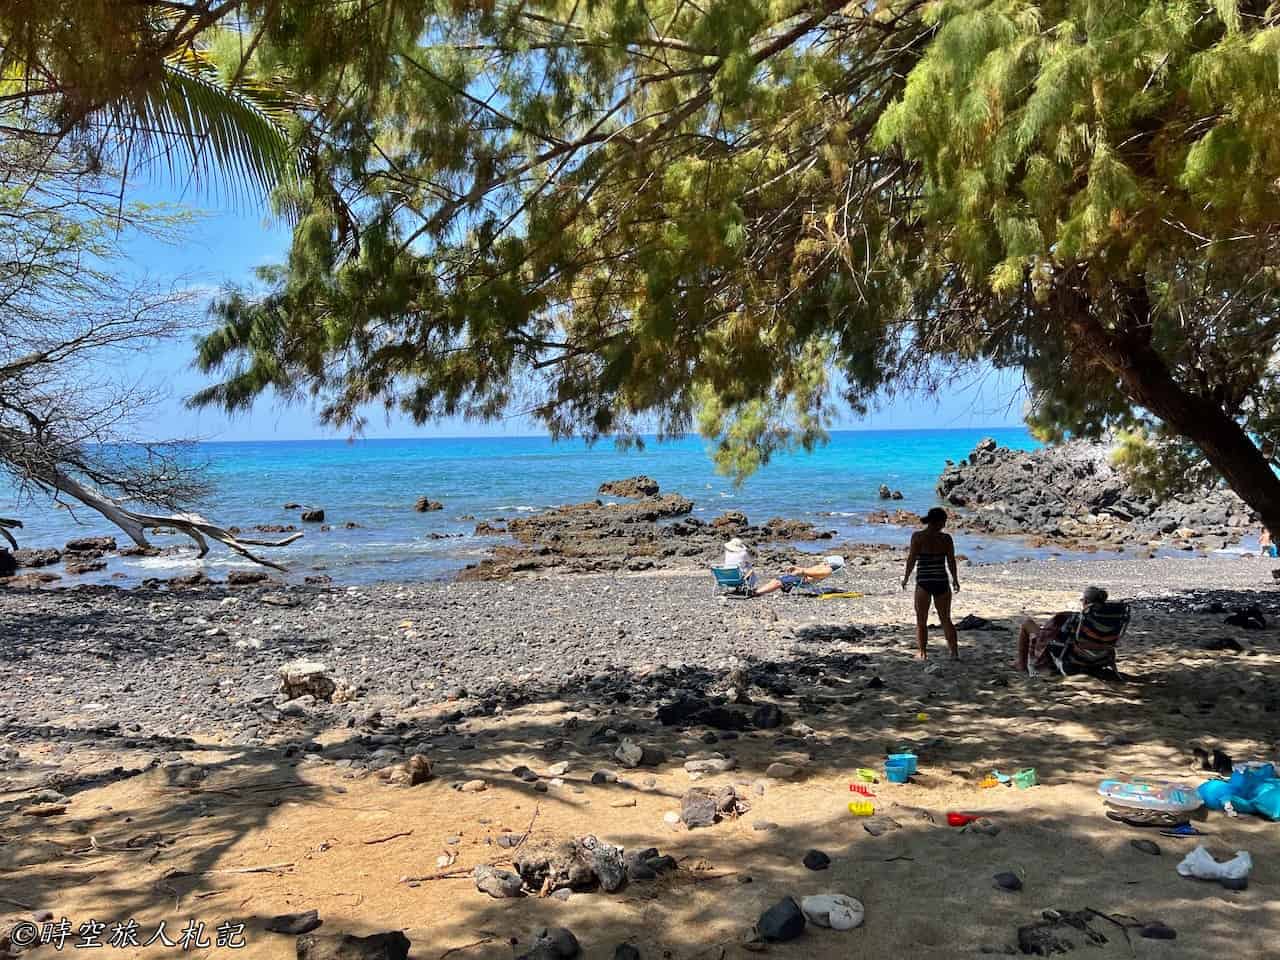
1066, 496
1070, 495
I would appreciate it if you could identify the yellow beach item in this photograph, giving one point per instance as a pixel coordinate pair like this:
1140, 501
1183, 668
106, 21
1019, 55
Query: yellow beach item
862, 808
842, 595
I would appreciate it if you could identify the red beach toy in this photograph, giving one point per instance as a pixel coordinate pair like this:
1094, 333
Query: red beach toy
960, 819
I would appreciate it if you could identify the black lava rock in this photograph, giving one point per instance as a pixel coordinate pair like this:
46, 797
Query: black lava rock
767, 717
816, 860
295, 924
782, 922
1008, 881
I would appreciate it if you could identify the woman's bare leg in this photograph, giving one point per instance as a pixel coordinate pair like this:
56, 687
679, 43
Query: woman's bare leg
1025, 631
942, 603
922, 623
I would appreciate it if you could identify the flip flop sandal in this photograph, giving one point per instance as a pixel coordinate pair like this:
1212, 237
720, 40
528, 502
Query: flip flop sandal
1146, 818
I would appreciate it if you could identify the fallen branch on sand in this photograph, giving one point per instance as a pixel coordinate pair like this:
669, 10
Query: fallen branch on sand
443, 875
468, 946
265, 868
394, 836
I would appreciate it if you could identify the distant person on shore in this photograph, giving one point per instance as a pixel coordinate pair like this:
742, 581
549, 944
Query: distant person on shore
1268, 546
1034, 638
932, 555
797, 575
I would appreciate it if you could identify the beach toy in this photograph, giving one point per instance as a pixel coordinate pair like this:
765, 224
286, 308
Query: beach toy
1164, 795
1002, 777
897, 771
1266, 801
922, 718
867, 775
840, 595
1247, 778
1214, 793
1025, 778
862, 808
908, 758
987, 782
961, 819
860, 789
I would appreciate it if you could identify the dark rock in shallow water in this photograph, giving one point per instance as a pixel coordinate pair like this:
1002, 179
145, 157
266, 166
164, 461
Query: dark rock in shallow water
36, 558
92, 545
379, 946
425, 505
313, 516
634, 487
782, 922
8, 565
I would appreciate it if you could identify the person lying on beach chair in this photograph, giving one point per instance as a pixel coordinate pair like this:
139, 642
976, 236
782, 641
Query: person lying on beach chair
1071, 642
801, 576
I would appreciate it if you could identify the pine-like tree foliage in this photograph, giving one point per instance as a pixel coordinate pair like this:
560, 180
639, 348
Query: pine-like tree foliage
620, 215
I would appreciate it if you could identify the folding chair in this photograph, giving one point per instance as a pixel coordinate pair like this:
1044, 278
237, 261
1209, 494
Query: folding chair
731, 581
1087, 642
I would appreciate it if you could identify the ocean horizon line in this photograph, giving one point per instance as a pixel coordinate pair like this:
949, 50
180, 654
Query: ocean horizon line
545, 436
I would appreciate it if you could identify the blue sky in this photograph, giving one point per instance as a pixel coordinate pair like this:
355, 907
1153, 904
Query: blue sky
228, 242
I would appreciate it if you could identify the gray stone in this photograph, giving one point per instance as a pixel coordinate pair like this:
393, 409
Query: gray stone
496, 882
698, 808
380, 946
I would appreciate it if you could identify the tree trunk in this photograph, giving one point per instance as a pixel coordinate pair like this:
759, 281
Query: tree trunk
1148, 382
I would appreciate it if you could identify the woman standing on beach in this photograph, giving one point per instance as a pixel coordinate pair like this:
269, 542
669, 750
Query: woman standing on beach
932, 554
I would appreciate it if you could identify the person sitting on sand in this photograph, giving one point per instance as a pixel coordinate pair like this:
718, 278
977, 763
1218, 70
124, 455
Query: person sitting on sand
931, 555
1034, 639
797, 575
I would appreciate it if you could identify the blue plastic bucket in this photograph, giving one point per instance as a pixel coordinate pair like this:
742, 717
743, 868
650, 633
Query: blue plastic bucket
897, 771
908, 758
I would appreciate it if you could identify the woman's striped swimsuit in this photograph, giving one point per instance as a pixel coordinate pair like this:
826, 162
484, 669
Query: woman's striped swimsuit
931, 573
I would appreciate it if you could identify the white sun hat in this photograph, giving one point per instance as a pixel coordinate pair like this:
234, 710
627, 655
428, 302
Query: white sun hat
834, 562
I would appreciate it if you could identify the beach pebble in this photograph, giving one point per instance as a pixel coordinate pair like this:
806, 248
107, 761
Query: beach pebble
345, 946
626, 951
525, 774
876, 826
1158, 931
782, 771
496, 882
984, 826
604, 776
294, 924
816, 860
553, 943
782, 922
1008, 881
671, 818
698, 808
474, 786
764, 826
833, 910
1146, 846
558, 769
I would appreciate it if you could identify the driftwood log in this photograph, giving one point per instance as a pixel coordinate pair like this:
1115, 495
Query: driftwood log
136, 525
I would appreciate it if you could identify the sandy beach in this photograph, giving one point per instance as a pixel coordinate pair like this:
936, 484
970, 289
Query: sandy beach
178, 785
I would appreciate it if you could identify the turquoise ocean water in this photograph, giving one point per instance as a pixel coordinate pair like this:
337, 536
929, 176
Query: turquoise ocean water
375, 483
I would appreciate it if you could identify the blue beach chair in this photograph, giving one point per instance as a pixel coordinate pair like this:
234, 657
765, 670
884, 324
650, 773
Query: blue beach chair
730, 581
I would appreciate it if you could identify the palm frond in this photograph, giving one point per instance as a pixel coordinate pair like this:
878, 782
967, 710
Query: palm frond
200, 129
